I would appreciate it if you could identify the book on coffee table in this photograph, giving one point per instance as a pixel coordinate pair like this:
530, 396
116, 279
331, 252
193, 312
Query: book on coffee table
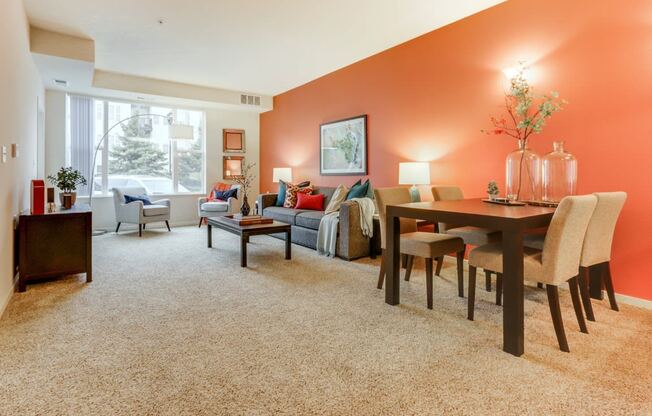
248, 219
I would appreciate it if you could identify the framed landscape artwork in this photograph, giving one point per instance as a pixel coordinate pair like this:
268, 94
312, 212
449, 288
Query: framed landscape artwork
233, 140
343, 147
232, 166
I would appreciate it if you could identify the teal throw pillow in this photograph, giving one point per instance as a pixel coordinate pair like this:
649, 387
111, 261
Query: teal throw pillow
358, 190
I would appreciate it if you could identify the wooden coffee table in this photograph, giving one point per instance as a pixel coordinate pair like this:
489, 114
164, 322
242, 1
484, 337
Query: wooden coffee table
245, 231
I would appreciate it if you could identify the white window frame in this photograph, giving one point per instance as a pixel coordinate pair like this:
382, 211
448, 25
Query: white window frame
103, 155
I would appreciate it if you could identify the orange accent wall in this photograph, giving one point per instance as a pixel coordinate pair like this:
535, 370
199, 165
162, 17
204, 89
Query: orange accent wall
427, 100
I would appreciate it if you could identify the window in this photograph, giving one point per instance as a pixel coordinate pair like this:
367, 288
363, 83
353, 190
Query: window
138, 151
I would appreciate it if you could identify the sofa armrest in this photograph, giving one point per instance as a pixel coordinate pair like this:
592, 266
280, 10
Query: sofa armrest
233, 205
266, 200
351, 243
131, 212
165, 202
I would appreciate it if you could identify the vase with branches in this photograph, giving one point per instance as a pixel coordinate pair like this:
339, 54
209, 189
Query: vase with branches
245, 180
526, 113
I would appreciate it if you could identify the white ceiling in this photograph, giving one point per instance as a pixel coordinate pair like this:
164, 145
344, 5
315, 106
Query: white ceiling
260, 46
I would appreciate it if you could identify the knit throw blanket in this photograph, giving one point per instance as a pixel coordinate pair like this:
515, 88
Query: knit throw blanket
329, 224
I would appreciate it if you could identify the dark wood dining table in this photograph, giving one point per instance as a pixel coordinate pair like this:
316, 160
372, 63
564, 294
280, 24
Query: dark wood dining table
512, 221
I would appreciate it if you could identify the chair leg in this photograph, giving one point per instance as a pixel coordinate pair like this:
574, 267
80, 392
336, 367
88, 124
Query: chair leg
499, 289
140, 230
429, 282
584, 292
404, 258
167, 224
555, 313
117, 228
201, 219
381, 275
540, 285
471, 306
440, 263
487, 280
460, 273
408, 268
577, 305
609, 285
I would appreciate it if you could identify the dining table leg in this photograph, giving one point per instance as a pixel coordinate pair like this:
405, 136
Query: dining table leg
392, 259
513, 319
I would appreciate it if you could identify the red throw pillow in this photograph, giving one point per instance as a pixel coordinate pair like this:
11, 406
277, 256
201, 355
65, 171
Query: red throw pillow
313, 202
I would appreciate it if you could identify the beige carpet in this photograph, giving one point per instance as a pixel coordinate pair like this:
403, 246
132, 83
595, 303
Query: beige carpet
170, 327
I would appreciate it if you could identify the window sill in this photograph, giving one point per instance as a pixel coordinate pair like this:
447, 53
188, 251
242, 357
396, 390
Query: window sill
195, 194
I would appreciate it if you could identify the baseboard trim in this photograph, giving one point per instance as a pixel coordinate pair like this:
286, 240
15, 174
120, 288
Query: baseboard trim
5, 302
626, 299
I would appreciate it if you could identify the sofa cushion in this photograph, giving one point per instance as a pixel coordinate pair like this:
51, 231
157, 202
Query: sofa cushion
309, 219
282, 214
326, 191
359, 191
215, 206
142, 198
154, 210
312, 202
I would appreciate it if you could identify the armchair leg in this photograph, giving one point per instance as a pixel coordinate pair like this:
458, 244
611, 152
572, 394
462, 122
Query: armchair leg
167, 224
117, 228
460, 273
381, 274
499, 289
555, 313
144, 225
577, 305
440, 262
471, 305
408, 268
201, 219
583, 282
140, 230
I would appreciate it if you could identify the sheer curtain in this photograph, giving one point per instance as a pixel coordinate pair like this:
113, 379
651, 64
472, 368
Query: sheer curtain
81, 138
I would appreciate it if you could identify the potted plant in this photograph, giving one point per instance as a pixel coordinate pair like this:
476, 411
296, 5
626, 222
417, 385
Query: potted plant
492, 190
67, 180
245, 179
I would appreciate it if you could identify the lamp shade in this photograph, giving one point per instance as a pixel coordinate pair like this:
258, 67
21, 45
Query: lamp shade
282, 174
414, 173
181, 132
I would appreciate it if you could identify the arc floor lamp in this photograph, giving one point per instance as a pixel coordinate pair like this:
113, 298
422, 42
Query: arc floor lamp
175, 132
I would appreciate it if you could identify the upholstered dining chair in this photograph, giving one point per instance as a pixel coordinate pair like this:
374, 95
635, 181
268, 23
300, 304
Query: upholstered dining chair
557, 263
596, 251
415, 243
474, 236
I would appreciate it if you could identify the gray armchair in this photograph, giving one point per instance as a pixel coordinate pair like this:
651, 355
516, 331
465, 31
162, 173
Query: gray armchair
138, 213
210, 209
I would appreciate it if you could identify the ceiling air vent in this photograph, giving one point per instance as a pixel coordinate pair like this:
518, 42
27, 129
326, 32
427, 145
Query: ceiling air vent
60, 83
249, 99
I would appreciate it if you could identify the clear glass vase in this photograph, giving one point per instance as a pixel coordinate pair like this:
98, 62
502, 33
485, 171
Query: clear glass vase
559, 173
523, 174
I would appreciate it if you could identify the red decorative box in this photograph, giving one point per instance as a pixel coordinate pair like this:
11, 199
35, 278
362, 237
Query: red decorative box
37, 204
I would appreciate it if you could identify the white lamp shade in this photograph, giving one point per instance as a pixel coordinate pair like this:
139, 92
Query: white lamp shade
181, 132
282, 174
414, 173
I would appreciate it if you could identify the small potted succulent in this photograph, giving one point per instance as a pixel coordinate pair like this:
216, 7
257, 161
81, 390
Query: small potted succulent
492, 190
67, 180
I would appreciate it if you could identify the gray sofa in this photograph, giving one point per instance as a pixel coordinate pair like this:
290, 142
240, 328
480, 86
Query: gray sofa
351, 244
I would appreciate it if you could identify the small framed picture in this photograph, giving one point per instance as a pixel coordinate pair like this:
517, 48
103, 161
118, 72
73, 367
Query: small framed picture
233, 140
232, 166
343, 147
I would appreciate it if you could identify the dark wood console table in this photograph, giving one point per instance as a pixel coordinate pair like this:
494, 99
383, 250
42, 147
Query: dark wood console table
55, 244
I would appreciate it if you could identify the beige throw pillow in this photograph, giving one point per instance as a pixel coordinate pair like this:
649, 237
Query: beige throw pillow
338, 197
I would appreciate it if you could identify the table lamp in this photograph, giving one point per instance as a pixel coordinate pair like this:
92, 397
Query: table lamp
281, 174
414, 173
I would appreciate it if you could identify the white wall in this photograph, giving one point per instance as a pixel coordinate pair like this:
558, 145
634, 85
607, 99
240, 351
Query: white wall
20, 90
184, 207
